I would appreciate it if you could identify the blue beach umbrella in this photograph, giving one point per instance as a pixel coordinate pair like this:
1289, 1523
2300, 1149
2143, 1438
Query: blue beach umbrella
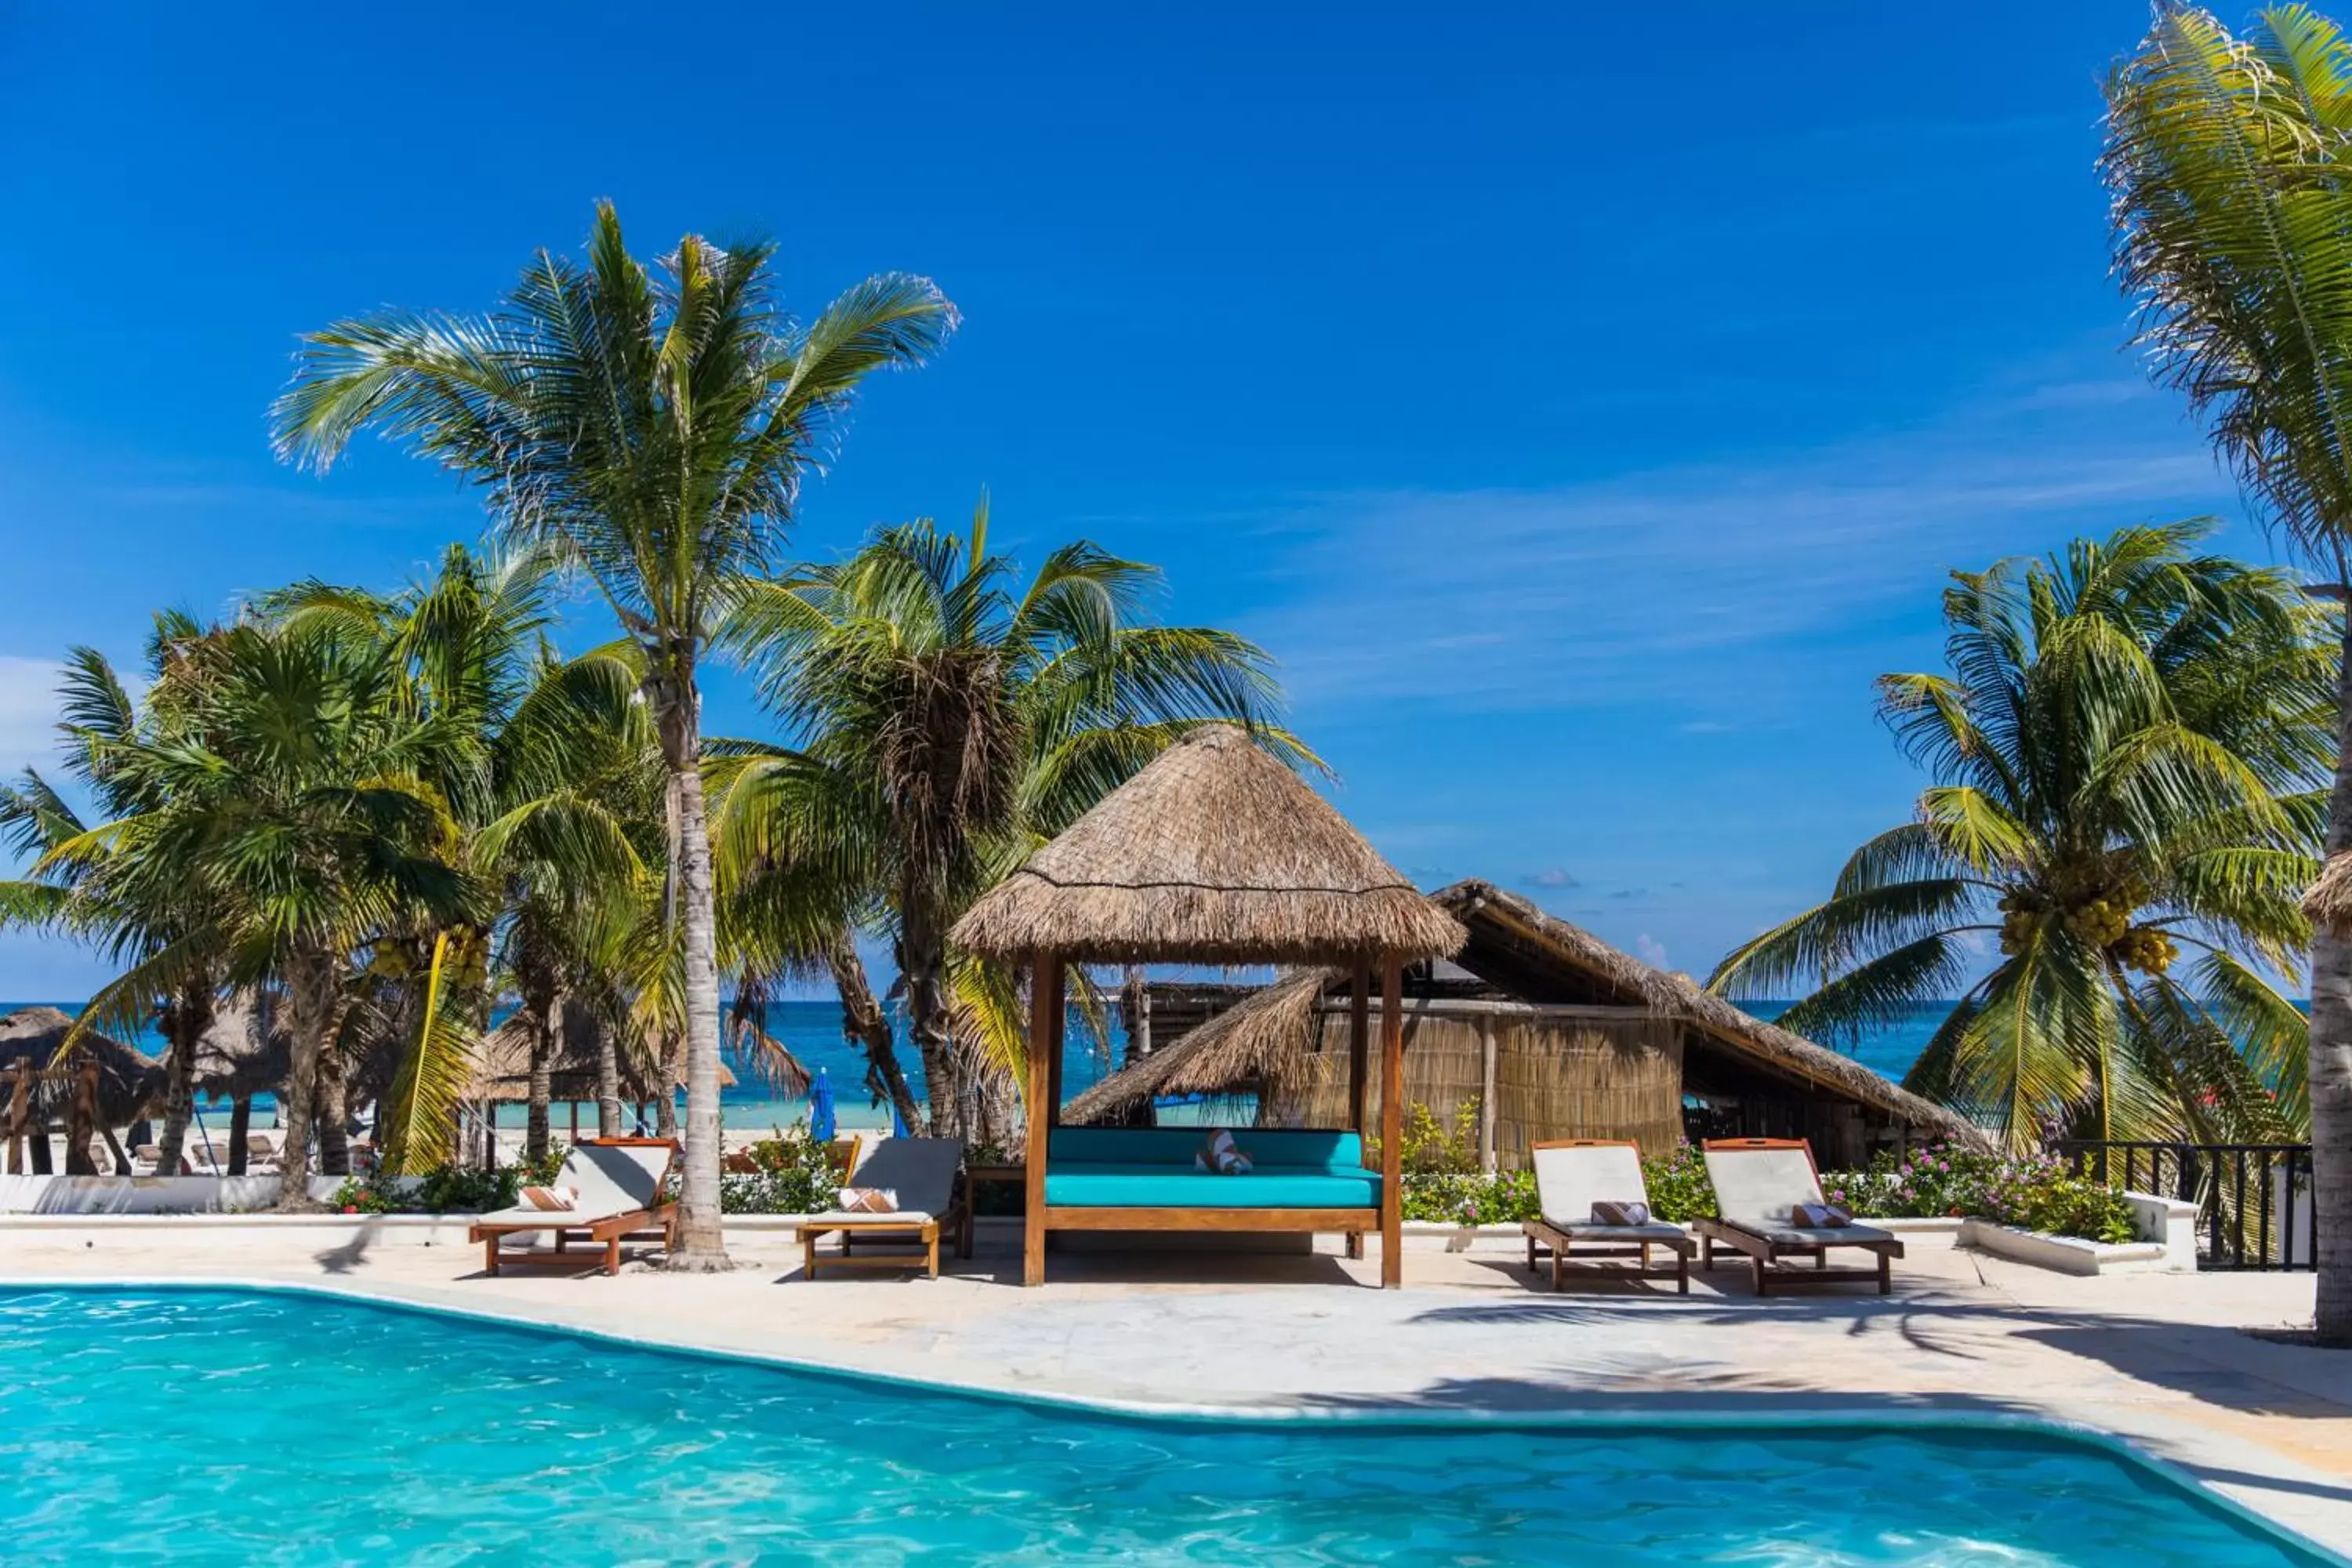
897, 1123
821, 1111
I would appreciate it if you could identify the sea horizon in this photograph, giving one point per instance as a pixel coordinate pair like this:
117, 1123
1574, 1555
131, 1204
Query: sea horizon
810, 1028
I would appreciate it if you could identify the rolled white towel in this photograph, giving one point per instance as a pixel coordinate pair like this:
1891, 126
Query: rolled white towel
1221, 1155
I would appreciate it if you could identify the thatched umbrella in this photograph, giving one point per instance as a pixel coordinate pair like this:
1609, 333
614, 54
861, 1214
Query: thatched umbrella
247, 1051
2329, 902
502, 1066
1214, 853
131, 1083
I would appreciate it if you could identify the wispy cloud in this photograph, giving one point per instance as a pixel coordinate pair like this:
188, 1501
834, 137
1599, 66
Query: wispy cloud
1552, 877
1650, 950
28, 712
1641, 587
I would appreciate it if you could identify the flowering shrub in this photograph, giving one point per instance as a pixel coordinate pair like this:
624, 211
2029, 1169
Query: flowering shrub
2032, 1191
1678, 1186
452, 1187
1506, 1197
792, 1173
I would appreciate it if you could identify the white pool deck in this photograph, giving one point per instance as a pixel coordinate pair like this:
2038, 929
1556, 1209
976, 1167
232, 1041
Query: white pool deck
2161, 1360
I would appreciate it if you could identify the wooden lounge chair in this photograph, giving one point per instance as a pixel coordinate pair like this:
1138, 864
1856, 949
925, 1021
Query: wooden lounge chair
1574, 1174
1756, 1182
926, 1174
620, 1183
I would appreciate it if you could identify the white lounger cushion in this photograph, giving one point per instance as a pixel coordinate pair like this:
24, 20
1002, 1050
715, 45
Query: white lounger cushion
1568, 1182
1754, 1188
611, 1178
921, 1171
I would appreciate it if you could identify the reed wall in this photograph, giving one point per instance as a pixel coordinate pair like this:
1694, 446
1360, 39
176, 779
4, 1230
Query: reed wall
1556, 1075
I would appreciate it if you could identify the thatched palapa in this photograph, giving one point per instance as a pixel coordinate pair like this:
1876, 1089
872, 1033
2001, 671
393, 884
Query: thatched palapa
1214, 853
502, 1066
1588, 1033
131, 1083
2329, 901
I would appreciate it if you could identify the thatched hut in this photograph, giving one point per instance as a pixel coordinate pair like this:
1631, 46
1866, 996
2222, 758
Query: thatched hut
502, 1068
2329, 901
129, 1085
1214, 853
1550, 1032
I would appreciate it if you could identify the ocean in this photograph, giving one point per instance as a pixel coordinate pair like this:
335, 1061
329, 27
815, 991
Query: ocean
811, 1031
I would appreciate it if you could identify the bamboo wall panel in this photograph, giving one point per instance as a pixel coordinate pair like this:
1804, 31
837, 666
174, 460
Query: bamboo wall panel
1554, 1077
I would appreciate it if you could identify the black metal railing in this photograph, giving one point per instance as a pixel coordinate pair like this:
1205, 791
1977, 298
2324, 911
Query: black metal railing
2254, 1208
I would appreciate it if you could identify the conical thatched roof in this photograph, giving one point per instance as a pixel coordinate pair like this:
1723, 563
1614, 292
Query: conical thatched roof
129, 1082
1215, 853
2329, 902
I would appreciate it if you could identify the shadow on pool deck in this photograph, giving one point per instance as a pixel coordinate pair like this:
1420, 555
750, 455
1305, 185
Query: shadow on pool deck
2217, 1365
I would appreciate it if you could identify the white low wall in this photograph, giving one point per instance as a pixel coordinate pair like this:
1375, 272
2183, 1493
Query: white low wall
148, 1194
2165, 1242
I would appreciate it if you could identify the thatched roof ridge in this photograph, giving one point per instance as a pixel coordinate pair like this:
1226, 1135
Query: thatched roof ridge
1477, 901
1214, 853
1255, 1042
131, 1083
2329, 902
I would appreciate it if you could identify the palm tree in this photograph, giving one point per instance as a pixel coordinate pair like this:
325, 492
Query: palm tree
653, 425
944, 720
2231, 175
296, 799
134, 925
563, 831
2127, 757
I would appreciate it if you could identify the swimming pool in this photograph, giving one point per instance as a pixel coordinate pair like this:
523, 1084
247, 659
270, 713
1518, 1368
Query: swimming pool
218, 1427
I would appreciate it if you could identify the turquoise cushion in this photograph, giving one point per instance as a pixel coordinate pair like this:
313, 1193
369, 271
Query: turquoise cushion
1128, 1185
1175, 1146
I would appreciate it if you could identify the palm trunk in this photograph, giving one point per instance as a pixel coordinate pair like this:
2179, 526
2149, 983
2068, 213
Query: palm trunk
923, 963
544, 1024
608, 1083
240, 1127
333, 1113
2330, 1068
700, 1244
311, 977
864, 1023
185, 1020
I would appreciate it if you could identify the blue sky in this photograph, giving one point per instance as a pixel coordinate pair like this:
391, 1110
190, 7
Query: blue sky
1581, 412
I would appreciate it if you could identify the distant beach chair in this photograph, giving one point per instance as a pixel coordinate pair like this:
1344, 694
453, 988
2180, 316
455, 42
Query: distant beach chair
1572, 1175
1757, 1181
619, 1181
926, 1175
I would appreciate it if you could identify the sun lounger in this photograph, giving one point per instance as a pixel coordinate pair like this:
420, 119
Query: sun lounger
1574, 1174
926, 1175
620, 1184
1756, 1182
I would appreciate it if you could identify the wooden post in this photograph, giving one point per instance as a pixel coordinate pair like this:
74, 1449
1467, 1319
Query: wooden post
1359, 1048
20, 1111
1045, 1050
1486, 1093
1392, 1122
81, 1119
1358, 1042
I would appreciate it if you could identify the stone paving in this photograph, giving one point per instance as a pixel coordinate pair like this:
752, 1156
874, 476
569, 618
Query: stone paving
2164, 1361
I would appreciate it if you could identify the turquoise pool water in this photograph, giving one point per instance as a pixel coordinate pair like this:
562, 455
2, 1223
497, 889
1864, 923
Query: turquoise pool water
200, 1428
